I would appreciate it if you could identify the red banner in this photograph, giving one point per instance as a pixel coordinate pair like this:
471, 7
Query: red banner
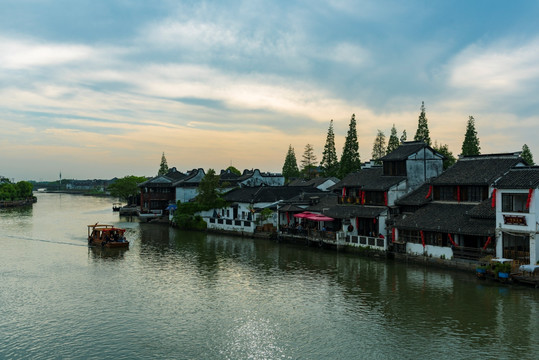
493, 198
363, 198
458, 193
422, 238
529, 199
488, 242
451, 240
287, 218
393, 235
429, 193
385, 198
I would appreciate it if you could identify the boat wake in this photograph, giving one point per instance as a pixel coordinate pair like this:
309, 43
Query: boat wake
44, 240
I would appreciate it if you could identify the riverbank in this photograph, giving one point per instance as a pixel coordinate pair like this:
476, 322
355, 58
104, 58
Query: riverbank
17, 203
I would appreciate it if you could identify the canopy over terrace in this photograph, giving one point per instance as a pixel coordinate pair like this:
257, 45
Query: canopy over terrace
303, 215
311, 216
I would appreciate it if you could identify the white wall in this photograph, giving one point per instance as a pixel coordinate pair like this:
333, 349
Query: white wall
430, 250
531, 228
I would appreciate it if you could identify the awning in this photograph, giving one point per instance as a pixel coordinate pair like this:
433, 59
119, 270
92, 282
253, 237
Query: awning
172, 207
317, 217
303, 215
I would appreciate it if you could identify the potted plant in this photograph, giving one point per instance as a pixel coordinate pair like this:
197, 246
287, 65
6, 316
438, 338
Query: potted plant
503, 270
481, 269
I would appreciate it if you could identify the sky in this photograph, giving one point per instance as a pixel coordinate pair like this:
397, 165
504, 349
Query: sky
101, 88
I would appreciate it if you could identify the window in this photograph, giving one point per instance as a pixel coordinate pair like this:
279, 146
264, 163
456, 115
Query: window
445, 193
374, 198
395, 168
475, 193
514, 203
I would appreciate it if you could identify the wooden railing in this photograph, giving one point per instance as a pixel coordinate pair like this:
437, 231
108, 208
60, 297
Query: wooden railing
470, 253
519, 257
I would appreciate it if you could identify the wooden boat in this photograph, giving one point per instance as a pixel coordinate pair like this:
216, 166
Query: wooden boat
107, 236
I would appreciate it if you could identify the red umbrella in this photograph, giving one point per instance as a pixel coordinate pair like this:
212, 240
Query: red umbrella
319, 217
304, 214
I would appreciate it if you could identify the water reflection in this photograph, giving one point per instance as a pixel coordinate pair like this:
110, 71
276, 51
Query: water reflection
176, 294
99, 253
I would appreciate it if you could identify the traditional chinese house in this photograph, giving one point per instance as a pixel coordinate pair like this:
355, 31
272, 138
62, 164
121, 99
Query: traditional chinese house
517, 215
455, 218
367, 197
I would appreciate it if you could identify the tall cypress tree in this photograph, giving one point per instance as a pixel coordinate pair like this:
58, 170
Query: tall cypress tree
163, 168
470, 145
379, 147
330, 162
404, 137
422, 132
527, 155
444, 150
308, 161
290, 167
350, 161
393, 141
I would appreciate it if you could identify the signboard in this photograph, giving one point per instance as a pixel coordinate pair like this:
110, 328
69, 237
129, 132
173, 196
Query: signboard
514, 220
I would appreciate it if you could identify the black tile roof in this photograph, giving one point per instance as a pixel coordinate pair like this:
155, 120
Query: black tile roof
291, 208
405, 150
370, 179
313, 182
484, 210
266, 193
524, 177
416, 197
166, 180
190, 179
352, 211
447, 218
478, 170
326, 201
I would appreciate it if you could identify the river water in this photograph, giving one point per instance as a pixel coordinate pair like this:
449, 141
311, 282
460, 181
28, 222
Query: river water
183, 295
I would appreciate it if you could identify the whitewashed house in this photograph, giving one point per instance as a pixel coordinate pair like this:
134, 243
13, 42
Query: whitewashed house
245, 206
516, 198
368, 197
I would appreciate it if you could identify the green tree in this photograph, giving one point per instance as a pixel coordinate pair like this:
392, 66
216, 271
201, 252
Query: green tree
308, 162
379, 147
290, 167
208, 194
350, 161
470, 145
527, 155
393, 141
163, 168
422, 133
404, 137
24, 189
330, 161
233, 170
8, 191
126, 187
444, 150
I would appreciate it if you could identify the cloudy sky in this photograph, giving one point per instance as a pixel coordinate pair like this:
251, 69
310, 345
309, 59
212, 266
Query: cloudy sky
98, 89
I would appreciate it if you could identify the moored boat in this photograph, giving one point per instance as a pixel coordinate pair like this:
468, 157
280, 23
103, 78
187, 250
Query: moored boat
107, 236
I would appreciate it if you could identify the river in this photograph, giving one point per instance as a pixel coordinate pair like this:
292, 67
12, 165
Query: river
188, 295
